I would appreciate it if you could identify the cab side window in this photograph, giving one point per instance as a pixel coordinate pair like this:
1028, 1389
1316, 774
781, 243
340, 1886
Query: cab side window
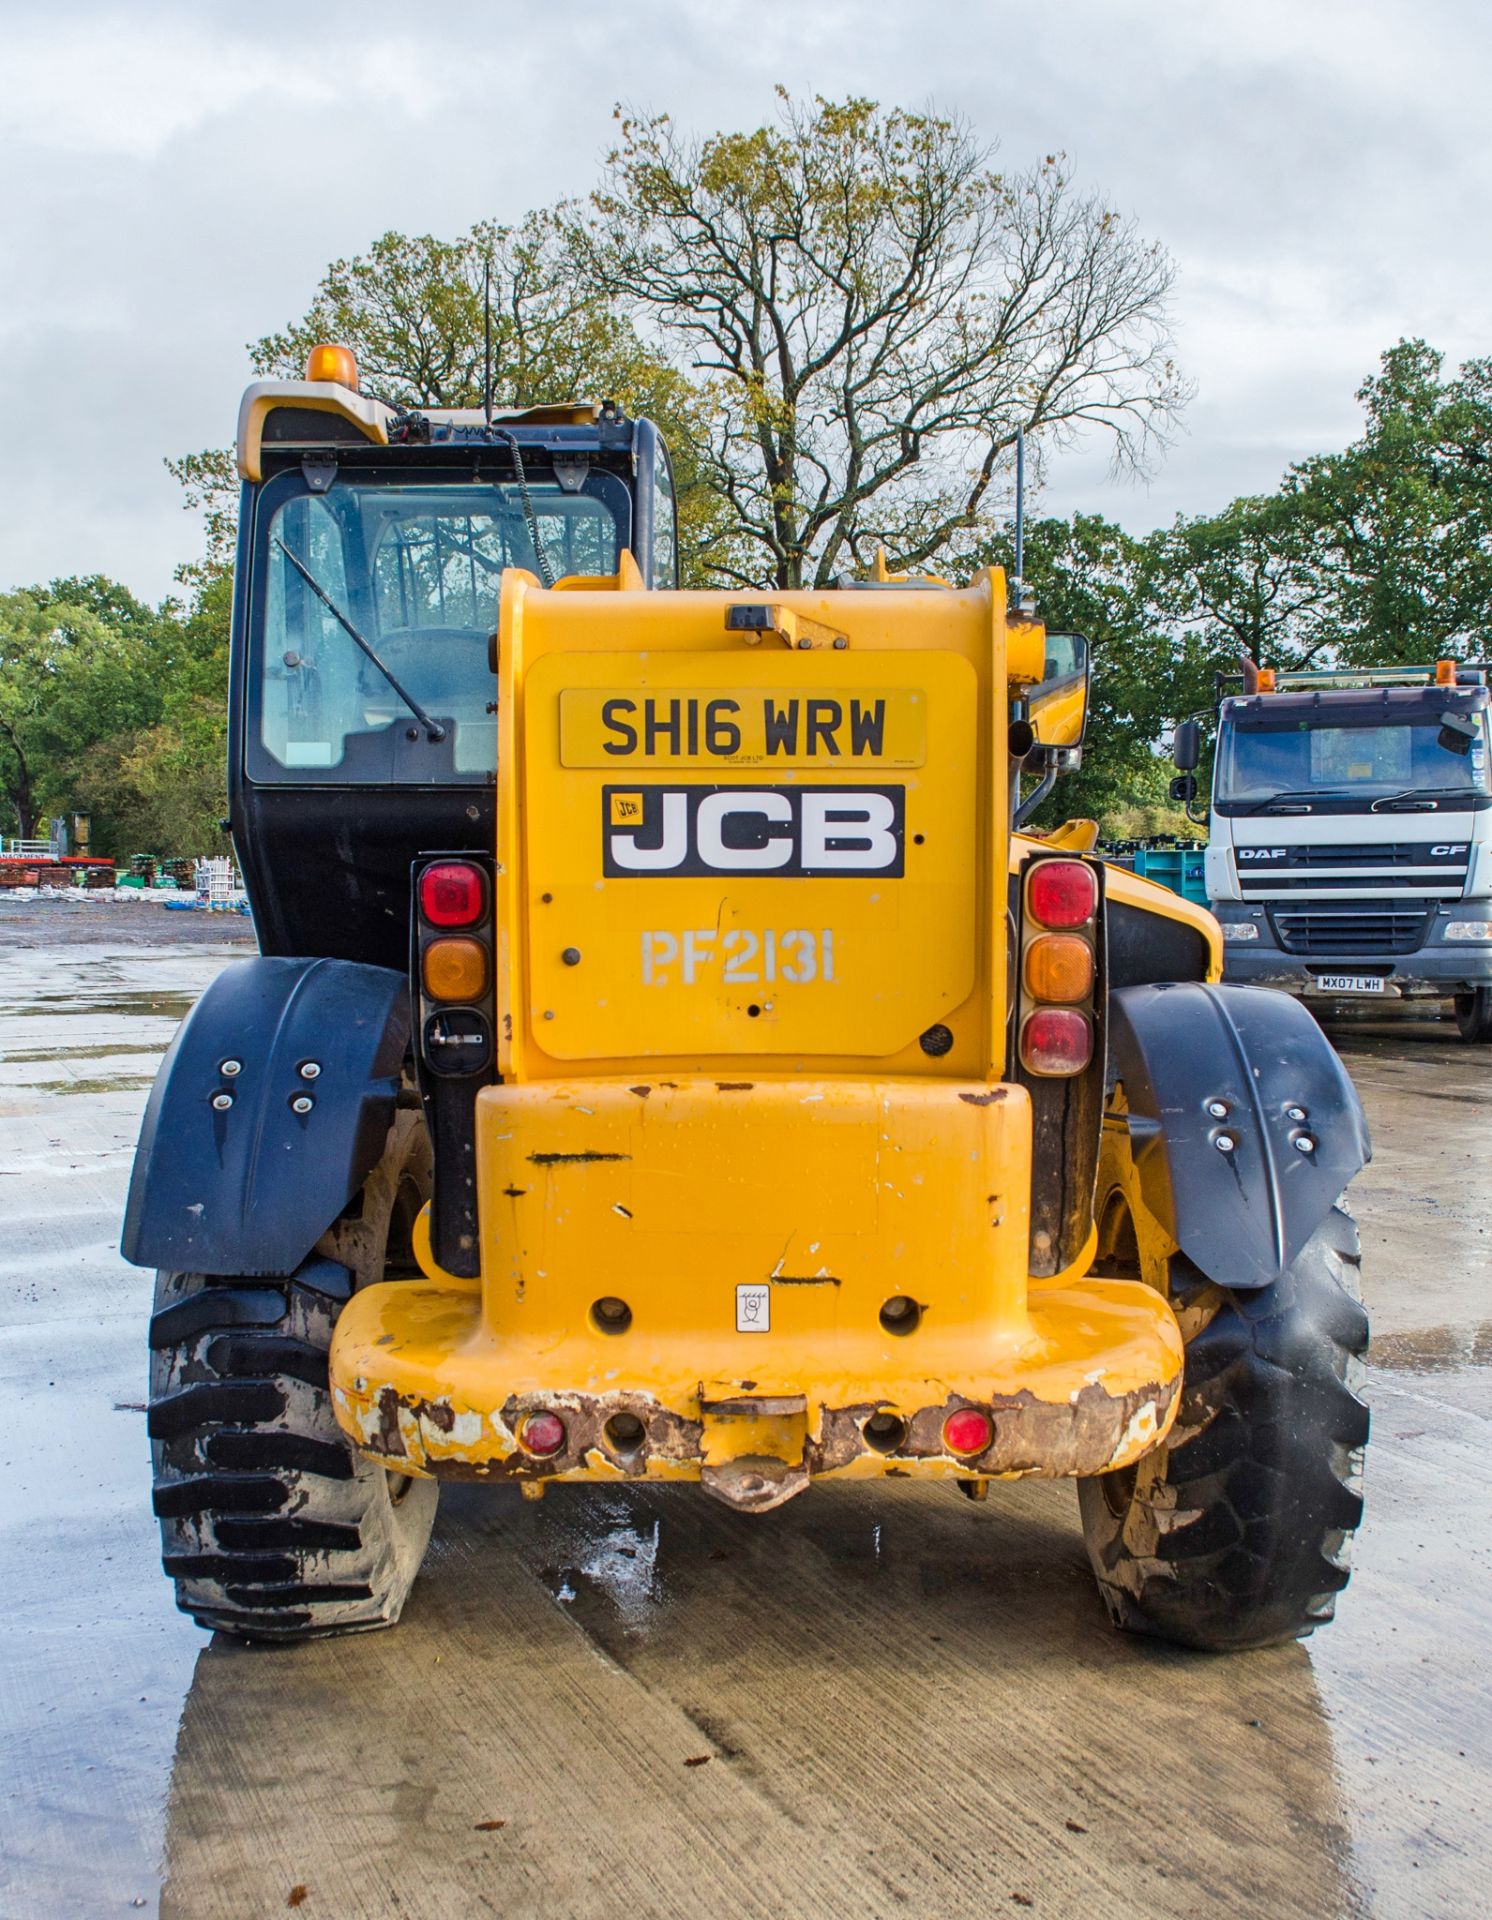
665, 542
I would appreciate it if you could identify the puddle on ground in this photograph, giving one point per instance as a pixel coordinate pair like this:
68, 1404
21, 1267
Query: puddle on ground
1433, 1349
113, 1085
168, 1006
43, 1054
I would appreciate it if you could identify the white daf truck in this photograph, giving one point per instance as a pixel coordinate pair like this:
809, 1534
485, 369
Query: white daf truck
1350, 836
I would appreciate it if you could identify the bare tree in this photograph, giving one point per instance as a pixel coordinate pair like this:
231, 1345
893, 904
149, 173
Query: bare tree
874, 312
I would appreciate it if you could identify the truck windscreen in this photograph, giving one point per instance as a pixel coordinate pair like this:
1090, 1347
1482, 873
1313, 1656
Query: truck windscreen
1260, 758
413, 569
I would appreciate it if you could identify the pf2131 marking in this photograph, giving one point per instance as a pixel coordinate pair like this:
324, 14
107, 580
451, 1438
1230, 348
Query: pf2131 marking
743, 956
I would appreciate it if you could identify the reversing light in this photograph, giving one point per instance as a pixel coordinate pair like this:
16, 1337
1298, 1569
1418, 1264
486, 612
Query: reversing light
337, 364
542, 1434
968, 1431
1056, 1042
1061, 893
1059, 966
455, 970
451, 894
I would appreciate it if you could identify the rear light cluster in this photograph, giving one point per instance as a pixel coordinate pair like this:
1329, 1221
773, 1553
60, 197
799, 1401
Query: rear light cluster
1059, 967
453, 965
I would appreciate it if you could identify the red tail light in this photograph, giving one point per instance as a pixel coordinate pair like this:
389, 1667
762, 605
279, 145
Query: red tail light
968, 1431
542, 1433
1061, 893
451, 894
1056, 1042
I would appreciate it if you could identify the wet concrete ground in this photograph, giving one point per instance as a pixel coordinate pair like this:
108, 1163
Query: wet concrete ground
880, 1701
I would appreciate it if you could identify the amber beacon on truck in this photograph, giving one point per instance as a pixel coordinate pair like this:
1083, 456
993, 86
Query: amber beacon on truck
668, 1060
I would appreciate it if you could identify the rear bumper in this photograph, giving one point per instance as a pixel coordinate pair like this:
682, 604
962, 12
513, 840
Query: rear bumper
819, 1202
420, 1384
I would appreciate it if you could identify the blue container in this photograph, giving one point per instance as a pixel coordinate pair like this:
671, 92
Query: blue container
1179, 868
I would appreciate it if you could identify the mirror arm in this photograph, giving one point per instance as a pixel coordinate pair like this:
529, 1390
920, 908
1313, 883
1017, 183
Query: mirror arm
1022, 812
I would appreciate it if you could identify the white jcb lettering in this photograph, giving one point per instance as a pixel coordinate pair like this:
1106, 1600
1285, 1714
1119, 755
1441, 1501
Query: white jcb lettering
670, 853
845, 830
709, 834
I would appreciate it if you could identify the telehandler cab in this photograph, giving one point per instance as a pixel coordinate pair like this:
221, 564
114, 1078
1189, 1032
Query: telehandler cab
667, 1061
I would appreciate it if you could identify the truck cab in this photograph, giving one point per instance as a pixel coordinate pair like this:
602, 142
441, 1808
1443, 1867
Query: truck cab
1350, 835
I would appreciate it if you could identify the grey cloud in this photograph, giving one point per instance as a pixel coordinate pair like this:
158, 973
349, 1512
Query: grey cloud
1318, 173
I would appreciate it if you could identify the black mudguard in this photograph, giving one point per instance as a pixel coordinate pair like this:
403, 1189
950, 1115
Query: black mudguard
1241, 1192
251, 1185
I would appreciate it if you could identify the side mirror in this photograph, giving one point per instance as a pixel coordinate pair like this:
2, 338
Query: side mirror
1186, 748
1057, 706
1184, 788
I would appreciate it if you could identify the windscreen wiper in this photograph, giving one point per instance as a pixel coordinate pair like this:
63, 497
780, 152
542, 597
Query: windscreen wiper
1297, 794
433, 729
1418, 797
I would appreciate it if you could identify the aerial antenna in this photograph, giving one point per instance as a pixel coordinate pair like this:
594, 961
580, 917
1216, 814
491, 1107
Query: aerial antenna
487, 342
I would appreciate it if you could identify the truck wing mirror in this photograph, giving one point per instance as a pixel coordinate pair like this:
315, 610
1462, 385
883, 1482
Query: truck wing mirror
1057, 705
1184, 788
1186, 747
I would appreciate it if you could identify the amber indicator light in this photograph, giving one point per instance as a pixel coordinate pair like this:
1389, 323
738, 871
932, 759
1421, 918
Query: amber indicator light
1059, 966
454, 970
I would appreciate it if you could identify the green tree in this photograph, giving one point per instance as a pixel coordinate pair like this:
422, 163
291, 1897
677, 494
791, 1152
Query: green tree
161, 787
413, 310
1401, 521
873, 312
68, 680
1093, 578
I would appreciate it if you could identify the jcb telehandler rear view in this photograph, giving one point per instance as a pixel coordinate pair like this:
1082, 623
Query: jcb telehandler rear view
668, 1061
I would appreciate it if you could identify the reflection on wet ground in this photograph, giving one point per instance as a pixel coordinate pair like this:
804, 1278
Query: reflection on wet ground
878, 1700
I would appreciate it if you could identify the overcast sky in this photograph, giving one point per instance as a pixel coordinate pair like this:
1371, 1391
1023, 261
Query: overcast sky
174, 179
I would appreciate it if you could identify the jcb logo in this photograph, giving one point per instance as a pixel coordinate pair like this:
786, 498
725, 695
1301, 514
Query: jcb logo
789, 832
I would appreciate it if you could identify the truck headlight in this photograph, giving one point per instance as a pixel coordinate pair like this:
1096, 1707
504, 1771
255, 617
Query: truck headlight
1240, 930
1469, 930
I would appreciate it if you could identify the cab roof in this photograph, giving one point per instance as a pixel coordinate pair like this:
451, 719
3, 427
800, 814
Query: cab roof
295, 414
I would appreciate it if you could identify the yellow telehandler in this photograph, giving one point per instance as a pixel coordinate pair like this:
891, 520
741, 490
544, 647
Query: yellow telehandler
668, 1060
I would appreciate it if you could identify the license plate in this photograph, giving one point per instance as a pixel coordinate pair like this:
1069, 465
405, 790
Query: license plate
1349, 983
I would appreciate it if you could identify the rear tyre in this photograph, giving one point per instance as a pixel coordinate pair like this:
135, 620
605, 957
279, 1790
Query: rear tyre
272, 1526
1474, 1014
1236, 1532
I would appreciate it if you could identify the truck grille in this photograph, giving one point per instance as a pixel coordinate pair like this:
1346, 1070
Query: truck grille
1374, 853
1355, 935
